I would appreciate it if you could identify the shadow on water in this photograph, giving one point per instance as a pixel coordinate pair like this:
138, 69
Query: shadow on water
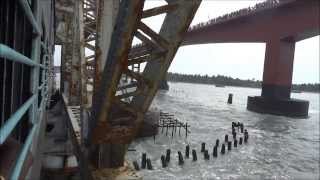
275, 124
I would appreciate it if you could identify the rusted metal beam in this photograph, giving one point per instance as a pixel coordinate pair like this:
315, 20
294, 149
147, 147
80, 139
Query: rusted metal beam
135, 75
75, 86
145, 40
89, 46
148, 31
158, 10
175, 25
142, 59
124, 105
128, 17
131, 85
90, 38
126, 95
84, 75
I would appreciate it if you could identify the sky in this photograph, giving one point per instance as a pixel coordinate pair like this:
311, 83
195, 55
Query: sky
238, 60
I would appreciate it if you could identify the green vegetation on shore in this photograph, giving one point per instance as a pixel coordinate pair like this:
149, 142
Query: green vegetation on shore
229, 81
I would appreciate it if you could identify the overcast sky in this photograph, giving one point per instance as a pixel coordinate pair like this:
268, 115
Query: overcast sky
238, 60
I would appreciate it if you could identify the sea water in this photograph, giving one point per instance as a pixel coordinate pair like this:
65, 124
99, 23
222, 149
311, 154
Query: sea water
278, 148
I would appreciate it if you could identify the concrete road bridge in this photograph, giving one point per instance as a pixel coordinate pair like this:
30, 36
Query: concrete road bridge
278, 24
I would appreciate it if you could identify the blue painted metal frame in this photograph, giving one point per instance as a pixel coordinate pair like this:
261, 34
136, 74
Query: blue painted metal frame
35, 112
11, 123
10, 54
28, 12
23, 154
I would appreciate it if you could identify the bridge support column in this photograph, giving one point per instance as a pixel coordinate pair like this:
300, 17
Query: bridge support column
277, 81
163, 85
105, 155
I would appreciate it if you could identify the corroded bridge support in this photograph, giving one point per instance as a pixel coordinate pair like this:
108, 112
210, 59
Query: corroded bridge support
277, 81
125, 91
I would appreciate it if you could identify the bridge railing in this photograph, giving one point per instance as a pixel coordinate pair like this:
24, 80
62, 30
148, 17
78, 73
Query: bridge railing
24, 73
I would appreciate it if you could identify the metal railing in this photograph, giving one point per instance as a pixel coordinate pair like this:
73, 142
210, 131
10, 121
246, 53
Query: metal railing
31, 104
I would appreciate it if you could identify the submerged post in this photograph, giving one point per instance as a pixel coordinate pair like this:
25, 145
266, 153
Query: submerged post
163, 161
215, 151
149, 165
230, 98
194, 155
203, 147
143, 160
168, 155
181, 162
187, 151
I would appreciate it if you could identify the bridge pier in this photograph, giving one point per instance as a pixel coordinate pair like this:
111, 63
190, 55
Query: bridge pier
163, 84
277, 81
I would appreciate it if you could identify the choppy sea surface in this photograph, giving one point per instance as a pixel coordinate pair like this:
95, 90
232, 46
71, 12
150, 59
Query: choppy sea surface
279, 147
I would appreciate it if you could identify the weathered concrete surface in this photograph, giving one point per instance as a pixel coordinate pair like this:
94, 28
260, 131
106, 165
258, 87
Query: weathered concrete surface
57, 147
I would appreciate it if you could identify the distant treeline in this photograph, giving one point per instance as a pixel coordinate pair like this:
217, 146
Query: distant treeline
229, 81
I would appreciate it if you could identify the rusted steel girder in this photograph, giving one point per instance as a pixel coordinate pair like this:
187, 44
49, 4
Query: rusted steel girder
88, 36
67, 50
175, 25
77, 57
118, 119
128, 17
105, 22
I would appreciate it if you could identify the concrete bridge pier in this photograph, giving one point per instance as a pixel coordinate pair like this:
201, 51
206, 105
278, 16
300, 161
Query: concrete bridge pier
277, 81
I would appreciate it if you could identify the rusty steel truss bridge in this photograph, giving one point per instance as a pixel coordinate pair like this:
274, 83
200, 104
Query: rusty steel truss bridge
106, 89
